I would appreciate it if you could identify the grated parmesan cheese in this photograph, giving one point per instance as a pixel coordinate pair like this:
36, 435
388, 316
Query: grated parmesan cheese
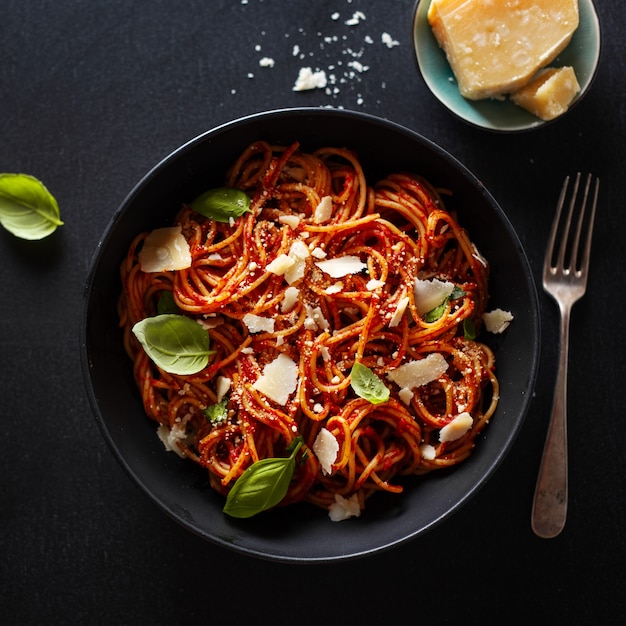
308, 79
428, 452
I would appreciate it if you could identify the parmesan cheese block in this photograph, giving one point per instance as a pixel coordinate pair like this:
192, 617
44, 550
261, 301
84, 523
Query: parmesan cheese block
549, 93
165, 249
495, 46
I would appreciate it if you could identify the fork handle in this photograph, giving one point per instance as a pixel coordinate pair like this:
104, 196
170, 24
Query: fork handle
550, 502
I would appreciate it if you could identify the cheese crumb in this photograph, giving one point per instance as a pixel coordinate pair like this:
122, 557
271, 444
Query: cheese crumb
428, 452
344, 508
308, 79
497, 321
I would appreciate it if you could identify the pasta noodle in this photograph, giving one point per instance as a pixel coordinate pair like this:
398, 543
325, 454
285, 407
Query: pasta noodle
397, 233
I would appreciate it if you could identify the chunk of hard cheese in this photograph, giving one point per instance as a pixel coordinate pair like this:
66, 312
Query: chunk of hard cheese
165, 249
495, 46
549, 93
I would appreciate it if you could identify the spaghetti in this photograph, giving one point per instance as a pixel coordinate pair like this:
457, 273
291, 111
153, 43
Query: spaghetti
399, 235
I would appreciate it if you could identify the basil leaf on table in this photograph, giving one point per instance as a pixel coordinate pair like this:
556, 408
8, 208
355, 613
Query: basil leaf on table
222, 204
262, 485
367, 385
175, 343
27, 209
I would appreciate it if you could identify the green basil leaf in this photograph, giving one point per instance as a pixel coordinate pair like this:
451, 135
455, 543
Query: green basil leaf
175, 343
166, 303
469, 329
27, 209
216, 412
222, 203
262, 486
367, 385
434, 314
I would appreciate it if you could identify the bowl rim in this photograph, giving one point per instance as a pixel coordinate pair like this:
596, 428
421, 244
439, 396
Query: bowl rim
484, 114
384, 543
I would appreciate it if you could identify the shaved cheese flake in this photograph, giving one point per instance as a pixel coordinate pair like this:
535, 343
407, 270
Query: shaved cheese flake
374, 284
170, 437
222, 387
165, 249
406, 395
279, 379
289, 299
336, 288
344, 508
291, 220
315, 319
258, 324
456, 428
280, 264
497, 321
429, 294
326, 448
428, 452
299, 253
318, 253
418, 373
324, 210
342, 266
401, 308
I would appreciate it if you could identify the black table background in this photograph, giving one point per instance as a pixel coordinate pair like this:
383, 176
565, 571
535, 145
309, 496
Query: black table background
93, 94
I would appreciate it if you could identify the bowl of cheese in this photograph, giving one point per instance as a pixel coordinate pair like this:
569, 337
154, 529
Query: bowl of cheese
507, 65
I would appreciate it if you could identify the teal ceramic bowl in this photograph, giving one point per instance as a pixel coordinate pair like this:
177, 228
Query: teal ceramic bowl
582, 53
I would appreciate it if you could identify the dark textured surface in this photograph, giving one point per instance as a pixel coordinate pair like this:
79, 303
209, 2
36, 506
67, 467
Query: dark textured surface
93, 94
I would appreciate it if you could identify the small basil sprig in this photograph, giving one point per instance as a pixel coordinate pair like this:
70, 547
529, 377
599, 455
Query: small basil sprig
222, 204
175, 343
27, 209
263, 485
216, 412
367, 385
434, 314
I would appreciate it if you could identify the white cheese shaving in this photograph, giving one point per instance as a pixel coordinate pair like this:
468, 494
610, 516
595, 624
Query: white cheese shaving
280, 264
428, 452
374, 284
342, 266
279, 379
497, 321
315, 319
318, 253
171, 437
401, 308
222, 386
326, 448
336, 288
291, 220
429, 294
299, 253
289, 299
406, 395
456, 428
344, 508
165, 249
258, 324
420, 372
324, 210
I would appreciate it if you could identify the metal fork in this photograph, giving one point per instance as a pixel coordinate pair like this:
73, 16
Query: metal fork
565, 273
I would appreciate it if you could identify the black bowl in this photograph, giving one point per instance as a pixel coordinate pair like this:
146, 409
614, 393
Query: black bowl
302, 532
